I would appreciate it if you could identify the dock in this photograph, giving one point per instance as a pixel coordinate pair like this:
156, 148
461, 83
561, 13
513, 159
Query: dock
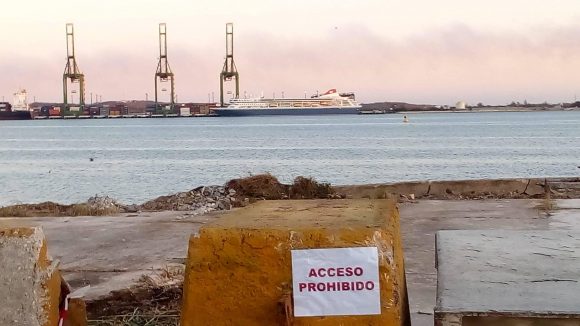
126, 116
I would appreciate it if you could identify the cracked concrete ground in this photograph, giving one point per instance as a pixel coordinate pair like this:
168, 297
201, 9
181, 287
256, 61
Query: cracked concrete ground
113, 252
420, 221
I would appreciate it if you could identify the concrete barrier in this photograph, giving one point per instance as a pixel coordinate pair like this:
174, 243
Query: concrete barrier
29, 280
501, 188
239, 269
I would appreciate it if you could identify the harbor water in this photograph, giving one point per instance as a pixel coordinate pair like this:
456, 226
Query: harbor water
134, 160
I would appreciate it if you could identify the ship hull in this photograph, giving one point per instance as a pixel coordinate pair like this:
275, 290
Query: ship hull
15, 115
241, 112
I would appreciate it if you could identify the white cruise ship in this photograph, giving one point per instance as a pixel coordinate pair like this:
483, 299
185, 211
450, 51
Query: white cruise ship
330, 102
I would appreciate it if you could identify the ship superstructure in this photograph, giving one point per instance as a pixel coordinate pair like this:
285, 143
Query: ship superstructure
20, 102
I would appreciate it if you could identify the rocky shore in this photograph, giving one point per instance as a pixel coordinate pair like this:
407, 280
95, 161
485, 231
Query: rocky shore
241, 192
200, 200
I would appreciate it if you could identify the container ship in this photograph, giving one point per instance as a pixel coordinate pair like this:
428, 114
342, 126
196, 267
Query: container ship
20, 110
330, 102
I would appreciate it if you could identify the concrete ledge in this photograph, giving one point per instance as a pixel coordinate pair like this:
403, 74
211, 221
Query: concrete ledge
468, 189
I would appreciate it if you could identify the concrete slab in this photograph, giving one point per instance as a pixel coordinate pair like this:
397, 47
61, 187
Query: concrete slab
518, 273
568, 204
420, 221
499, 277
111, 253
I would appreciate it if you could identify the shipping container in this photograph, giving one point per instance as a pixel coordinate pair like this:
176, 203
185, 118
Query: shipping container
54, 111
45, 110
185, 112
94, 110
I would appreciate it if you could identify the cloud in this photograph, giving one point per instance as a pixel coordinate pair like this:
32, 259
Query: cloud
440, 66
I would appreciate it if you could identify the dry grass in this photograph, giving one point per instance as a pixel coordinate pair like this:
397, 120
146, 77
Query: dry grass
14, 211
54, 209
264, 186
139, 318
157, 296
309, 188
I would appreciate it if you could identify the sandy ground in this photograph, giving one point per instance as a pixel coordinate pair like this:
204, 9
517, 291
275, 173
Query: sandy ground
113, 252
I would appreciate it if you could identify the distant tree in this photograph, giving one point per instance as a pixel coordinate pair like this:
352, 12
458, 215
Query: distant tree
479, 105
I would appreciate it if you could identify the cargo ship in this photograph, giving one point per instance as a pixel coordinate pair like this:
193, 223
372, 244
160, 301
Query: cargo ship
20, 110
6, 113
330, 102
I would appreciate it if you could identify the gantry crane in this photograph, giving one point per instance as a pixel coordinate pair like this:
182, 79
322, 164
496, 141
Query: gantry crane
229, 70
71, 70
164, 73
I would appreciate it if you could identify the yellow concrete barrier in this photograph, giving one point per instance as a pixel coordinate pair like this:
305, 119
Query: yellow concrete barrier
239, 269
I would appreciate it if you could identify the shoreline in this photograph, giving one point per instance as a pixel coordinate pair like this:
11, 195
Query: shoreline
204, 199
362, 112
514, 110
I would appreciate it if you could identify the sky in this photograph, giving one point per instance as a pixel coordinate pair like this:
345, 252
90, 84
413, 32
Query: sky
418, 51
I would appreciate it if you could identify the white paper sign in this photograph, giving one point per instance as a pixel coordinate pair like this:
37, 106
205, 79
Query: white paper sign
336, 282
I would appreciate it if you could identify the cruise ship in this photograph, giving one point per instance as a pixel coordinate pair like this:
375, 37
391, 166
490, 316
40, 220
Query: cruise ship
330, 102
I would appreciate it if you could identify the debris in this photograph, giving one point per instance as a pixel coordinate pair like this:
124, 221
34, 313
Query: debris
197, 201
158, 296
103, 203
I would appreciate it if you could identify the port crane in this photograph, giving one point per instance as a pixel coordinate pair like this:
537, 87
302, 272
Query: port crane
163, 73
71, 70
229, 70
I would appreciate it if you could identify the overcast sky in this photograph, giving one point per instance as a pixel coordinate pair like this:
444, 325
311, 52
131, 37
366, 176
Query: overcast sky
415, 51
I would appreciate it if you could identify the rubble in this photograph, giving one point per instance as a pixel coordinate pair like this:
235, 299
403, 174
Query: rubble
103, 203
197, 201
